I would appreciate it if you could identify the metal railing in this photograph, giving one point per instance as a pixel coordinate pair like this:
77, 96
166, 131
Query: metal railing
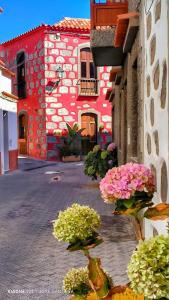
88, 87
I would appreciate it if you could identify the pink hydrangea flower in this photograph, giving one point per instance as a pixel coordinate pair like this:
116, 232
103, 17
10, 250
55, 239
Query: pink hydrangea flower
122, 182
111, 147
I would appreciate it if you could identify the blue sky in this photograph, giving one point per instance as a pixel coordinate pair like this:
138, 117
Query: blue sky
20, 16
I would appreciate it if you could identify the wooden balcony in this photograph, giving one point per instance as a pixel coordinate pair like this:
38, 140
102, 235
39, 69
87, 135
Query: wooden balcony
105, 12
104, 16
88, 87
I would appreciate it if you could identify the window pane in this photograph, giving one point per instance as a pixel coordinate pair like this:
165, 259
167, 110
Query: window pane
21, 75
92, 70
83, 69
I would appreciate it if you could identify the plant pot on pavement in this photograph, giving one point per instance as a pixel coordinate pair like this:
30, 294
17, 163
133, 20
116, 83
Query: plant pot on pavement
71, 158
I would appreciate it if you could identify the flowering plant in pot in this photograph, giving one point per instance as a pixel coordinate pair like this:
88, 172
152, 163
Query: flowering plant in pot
76, 283
148, 269
71, 143
78, 226
99, 161
130, 187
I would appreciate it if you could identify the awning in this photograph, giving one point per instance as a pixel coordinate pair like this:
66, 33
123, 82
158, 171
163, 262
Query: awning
113, 73
5, 70
122, 26
9, 96
109, 94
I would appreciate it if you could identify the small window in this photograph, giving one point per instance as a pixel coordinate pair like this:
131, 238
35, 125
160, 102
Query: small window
88, 72
83, 70
92, 71
21, 82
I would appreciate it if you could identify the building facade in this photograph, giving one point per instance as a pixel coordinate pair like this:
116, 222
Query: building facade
156, 97
48, 98
136, 33
8, 122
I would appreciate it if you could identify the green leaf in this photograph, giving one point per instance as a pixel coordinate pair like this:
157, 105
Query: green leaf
75, 127
128, 203
89, 243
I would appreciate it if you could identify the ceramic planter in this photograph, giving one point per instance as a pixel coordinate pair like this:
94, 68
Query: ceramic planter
71, 158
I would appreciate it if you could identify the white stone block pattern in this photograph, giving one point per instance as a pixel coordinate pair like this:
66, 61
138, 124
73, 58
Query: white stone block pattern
63, 90
60, 59
62, 112
60, 45
50, 125
106, 118
51, 99
56, 119
50, 111
69, 119
49, 44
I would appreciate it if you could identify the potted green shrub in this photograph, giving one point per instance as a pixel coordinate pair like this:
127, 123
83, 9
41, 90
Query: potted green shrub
71, 148
99, 161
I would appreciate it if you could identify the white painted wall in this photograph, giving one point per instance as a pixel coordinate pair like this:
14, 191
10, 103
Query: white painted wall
12, 131
8, 135
5, 83
1, 141
160, 30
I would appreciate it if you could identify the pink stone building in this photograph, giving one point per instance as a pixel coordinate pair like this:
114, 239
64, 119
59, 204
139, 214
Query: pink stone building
48, 98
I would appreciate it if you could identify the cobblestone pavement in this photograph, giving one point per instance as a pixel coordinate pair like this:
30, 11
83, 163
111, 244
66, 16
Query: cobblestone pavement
31, 260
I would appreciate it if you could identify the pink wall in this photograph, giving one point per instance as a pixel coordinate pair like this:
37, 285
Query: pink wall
48, 112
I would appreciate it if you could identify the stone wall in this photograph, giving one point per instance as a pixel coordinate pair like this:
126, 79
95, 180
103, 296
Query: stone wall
129, 108
156, 124
134, 5
65, 104
50, 109
34, 104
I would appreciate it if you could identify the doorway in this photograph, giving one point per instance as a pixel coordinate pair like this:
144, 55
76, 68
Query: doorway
23, 122
89, 134
6, 142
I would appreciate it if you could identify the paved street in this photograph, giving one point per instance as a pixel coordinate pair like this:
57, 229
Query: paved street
31, 260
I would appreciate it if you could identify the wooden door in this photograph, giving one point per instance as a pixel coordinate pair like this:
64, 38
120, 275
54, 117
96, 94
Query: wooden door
89, 134
23, 134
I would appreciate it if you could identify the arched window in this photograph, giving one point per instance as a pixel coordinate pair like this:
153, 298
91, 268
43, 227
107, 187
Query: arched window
88, 73
21, 82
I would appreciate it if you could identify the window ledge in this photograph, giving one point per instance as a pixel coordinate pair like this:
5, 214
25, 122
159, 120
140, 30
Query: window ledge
88, 95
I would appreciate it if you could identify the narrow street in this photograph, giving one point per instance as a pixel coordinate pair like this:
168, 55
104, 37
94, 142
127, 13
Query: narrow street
32, 261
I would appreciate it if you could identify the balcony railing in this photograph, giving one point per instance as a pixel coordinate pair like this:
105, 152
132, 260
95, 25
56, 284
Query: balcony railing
105, 12
88, 87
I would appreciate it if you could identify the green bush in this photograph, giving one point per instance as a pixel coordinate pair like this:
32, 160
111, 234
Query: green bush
98, 162
71, 141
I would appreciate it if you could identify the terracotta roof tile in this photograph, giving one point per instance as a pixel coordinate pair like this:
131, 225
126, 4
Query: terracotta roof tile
74, 23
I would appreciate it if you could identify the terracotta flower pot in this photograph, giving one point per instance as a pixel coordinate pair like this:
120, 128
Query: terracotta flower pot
71, 158
124, 293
